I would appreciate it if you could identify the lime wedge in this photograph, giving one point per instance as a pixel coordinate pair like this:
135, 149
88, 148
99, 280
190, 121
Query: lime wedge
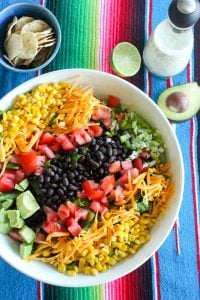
125, 59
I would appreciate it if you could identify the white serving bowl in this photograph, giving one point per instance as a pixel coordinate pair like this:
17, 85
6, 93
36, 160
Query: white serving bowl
105, 84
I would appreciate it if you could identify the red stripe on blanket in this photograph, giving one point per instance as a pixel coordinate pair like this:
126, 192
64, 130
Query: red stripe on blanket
116, 26
39, 290
157, 277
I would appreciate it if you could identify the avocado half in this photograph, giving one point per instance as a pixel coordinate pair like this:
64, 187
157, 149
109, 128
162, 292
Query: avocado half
179, 103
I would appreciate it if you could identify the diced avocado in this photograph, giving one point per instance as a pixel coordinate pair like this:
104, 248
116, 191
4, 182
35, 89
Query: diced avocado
22, 186
5, 227
6, 204
25, 250
27, 204
11, 195
27, 234
180, 103
13, 216
3, 216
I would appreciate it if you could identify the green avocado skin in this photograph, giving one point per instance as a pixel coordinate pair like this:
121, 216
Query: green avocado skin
192, 91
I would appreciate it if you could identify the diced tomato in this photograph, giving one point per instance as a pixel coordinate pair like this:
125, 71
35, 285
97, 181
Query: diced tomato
119, 193
14, 159
44, 149
55, 147
101, 114
97, 195
98, 207
126, 164
46, 139
104, 200
6, 184
81, 214
19, 175
28, 161
73, 227
72, 208
138, 163
95, 206
10, 174
112, 195
51, 215
124, 177
115, 167
120, 117
53, 226
81, 194
41, 159
107, 122
92, 190
134, 172
108, 183
144, 153
71, 137
14, 234
40, 237
64, 141
103, 209
113, 101
97, 130
81, 136
63, 212
90, 132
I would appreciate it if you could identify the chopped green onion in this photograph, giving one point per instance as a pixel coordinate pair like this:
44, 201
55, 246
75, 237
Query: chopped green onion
13, 166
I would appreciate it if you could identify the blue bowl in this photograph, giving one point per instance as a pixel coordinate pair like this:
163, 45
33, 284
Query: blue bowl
30, 10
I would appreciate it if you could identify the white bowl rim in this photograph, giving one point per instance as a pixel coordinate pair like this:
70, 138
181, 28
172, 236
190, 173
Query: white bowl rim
82, 280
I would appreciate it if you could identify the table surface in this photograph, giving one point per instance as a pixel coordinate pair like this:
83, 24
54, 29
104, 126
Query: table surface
90, 29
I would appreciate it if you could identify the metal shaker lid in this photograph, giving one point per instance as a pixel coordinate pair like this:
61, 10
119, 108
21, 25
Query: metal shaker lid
184, 14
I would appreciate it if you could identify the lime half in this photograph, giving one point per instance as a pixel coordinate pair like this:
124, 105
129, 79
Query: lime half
125, 59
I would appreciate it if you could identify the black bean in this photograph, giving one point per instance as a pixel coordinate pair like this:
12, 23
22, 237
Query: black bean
60, 192
55, 197
71, 175
101, 171
96, 147
56, 177
41, 178
65, 181
94, 164
114, 152
54, 185
73, 187
112, 159
50, 192
99, 155
54, 168
47, 178
71, 194
67, 159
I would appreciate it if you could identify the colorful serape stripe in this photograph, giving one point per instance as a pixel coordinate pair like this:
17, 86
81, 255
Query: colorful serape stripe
90, 29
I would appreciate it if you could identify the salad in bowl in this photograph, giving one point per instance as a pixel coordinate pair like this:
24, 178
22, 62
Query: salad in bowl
86, 177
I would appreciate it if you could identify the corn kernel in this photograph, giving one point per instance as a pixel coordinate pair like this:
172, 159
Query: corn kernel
46, 253
94, 271
61, 268
72, 273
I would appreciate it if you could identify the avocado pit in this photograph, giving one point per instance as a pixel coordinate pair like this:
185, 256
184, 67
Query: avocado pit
177, 102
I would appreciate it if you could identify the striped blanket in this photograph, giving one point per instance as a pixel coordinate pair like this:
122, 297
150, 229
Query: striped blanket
90, 29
